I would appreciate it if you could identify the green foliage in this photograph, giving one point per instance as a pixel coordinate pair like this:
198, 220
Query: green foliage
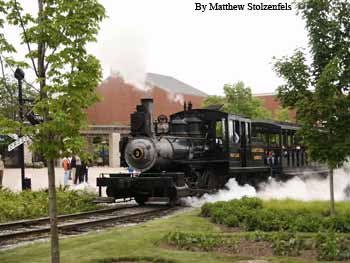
238, 99
332, 247
320, 92
34, 204
282, 114
253, 214
144, 242
213, 100
328, 246
287, 244
187, 240
66, 74
138, 259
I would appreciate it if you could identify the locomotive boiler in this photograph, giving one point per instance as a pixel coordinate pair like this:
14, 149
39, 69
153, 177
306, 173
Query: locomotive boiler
198, 150
150, 149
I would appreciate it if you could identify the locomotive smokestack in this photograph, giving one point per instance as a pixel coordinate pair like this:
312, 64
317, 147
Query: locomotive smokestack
147, 104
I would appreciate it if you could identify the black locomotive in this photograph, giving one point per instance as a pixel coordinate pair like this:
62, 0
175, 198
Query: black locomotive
199, 150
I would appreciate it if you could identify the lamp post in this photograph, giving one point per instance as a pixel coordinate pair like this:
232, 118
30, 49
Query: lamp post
19, 75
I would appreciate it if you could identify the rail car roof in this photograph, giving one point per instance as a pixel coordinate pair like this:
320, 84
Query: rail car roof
216, 113
275, 125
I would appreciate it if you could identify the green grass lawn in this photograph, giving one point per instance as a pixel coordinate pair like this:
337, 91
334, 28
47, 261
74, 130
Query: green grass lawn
142, 241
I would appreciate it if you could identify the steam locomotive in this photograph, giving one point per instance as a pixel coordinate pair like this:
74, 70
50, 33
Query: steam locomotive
199, 150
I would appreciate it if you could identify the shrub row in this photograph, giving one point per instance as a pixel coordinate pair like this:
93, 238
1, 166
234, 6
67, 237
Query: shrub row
204, 241
254, 214
328, 246
34, 204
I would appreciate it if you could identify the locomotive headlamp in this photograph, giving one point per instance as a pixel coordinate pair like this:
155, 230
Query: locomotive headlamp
138, 153
141, 153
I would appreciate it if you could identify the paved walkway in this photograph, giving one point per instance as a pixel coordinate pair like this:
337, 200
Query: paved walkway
39, 179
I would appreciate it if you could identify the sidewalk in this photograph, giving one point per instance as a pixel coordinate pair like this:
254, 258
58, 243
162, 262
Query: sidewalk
39, 179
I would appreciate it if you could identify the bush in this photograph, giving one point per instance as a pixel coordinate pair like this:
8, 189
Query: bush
34, 204
332, 247
287, 215
287, 244
329, 246
231, 221
188, 240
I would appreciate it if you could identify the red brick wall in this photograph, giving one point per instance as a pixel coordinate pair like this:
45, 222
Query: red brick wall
271, 103
119, 100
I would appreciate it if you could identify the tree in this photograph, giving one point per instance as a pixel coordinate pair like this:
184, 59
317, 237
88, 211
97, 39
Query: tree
238, 99
319, 92
213, 100
66, 75
282, 114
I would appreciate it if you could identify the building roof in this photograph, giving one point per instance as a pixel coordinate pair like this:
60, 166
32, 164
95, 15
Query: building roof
172, 85
267, 94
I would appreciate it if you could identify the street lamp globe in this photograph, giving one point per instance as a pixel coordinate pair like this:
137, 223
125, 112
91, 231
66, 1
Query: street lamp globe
19, 74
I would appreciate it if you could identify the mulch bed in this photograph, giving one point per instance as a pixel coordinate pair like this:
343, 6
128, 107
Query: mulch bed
249, 248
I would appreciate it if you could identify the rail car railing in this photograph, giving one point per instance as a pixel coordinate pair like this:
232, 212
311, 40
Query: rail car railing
291, 157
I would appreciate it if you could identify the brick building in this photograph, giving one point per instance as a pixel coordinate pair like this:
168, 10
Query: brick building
119, 99
271, 103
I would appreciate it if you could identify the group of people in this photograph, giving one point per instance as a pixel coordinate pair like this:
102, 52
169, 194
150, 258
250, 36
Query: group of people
75, 169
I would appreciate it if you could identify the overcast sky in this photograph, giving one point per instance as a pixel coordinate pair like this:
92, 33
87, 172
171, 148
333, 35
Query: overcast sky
205, 50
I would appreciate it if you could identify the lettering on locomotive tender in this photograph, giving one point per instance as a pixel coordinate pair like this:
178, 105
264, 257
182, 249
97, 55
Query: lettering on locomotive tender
234, 155
242, 7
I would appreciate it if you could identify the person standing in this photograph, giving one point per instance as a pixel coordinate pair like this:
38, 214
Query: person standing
78, 173
66, 170
70, 168
84, 168
73, 166
2, 168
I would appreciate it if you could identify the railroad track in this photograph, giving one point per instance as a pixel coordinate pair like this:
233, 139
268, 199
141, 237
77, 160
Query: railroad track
27, 230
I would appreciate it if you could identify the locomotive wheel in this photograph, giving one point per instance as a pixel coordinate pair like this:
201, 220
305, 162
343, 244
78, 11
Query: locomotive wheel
172, 202
212, 179
141, 199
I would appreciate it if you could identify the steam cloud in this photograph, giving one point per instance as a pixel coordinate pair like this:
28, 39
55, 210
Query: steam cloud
122, 51
177, 98
296, 188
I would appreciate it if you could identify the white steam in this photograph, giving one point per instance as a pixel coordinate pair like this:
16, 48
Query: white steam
296, 188
232, 191
177, 98
307, 190
121, 48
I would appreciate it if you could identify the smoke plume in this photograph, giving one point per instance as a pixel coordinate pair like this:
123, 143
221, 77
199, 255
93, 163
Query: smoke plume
308, 189
121, 48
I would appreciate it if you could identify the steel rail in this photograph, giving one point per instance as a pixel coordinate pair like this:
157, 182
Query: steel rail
43, 220
82, 224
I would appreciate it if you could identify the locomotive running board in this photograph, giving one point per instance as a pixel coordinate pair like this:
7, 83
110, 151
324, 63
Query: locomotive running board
249, 169
158, 200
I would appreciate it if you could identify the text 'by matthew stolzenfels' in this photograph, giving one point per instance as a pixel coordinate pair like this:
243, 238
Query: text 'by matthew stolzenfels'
230, 6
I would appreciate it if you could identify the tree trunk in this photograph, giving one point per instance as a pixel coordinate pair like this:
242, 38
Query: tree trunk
331, 185
55, 255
